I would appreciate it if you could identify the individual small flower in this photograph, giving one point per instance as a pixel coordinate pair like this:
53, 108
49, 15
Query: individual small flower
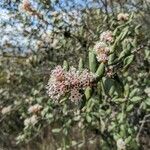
6, 110
106, 36
35, 108
121, 144
123, 16
75, 95
31, 121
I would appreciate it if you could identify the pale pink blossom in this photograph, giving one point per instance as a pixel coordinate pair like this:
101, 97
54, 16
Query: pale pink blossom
35, 108
6, 110
101, 50
101, 47
106, 36
102, 57
62, 82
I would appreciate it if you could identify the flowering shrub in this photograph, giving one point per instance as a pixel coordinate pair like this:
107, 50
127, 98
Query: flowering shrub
106, 96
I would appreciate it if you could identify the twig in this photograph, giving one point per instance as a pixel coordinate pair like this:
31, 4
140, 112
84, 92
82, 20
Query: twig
141, 127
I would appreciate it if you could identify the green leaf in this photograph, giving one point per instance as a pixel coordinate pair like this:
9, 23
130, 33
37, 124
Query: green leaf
90, 104
115, 32
109, 86
112, 90
88, 92
136, 99
80, 66
128, 60
49, 116
124, 53
92, 62
124, 32
130, 107
121, 117
99, 88
88, 118
65, 65
147, 53
126, 90
101, 70
133, 92
56, 130
77, 118
128, 139
137, 29
63, 100
119, 100
102, 125
147, 101
111, 58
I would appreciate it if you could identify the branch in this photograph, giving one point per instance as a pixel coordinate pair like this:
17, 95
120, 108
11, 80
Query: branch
141, 127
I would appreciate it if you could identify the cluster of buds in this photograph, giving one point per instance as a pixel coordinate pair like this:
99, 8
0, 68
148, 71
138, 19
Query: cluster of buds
123, 17
70, 82
35, 108
106, 36
31, 121
6, 110
101, 48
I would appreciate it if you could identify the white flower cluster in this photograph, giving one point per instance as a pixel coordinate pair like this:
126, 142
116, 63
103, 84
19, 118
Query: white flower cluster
6, 110
35, 108
106, 36
101, 48
62, 82
31, 121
